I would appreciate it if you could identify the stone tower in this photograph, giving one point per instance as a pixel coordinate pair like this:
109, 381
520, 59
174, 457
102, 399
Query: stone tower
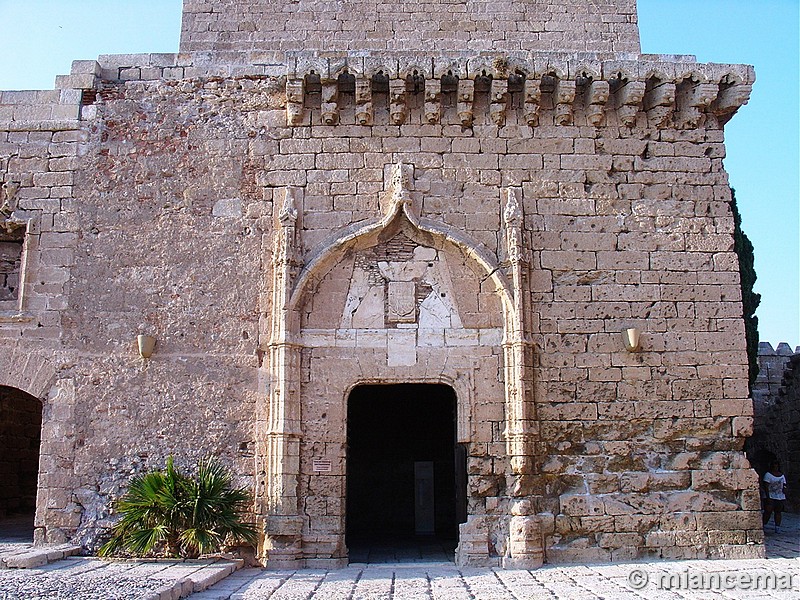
269, 28
388, 254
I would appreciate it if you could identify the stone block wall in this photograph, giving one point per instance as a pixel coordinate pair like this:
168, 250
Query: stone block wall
291, 226
40, 134
436, 25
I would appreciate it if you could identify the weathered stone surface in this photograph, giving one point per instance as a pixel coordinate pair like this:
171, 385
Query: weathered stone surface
291, 225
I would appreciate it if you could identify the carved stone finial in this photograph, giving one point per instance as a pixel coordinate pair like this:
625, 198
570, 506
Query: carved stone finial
10, 189
512, 217
512, 213
288, 213
399, 184
398, 193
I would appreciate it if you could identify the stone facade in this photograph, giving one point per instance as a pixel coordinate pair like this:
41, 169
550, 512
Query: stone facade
291, 223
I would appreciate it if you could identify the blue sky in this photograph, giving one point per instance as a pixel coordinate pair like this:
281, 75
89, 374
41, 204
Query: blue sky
41, 38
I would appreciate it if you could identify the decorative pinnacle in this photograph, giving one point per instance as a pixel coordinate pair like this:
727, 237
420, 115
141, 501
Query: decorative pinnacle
512, 213
288, 213
399, 184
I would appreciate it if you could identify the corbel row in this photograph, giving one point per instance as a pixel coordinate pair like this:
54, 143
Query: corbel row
664, 103
674, 96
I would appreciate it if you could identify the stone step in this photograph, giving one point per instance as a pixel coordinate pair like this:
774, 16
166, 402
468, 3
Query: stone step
30, 558
198, 581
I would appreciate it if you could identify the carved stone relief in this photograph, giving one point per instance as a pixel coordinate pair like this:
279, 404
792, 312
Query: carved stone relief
402, 285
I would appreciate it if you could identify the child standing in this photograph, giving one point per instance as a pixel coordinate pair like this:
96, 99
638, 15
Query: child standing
775, 487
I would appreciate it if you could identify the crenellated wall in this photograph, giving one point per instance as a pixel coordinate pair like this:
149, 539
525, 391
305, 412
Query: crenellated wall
776, 422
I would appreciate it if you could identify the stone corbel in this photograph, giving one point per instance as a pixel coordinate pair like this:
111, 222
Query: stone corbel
563, 97
499, 101
295, 94
330, 103
596, 98
659, 103
398, 109
730, 99
363, 101
533, 99
466, 97
433, 105
629, 99
693, 100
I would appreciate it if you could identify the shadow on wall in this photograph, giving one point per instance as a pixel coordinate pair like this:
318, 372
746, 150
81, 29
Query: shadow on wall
776, 408
20, 437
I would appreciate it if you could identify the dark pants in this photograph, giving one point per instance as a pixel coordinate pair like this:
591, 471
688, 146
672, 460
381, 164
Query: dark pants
771, 505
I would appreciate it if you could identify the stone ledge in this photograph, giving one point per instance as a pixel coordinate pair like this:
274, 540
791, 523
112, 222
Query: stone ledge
43, 125
14, 316
37, 557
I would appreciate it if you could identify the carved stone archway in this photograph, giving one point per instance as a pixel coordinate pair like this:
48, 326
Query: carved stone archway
292, 281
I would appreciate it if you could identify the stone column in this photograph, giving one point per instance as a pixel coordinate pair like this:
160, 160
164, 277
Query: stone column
283, 524
525, 548
517, 345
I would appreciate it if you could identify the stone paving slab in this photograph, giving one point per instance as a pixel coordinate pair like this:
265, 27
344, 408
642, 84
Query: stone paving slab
656, 580
83, 578
95, 579
668, 580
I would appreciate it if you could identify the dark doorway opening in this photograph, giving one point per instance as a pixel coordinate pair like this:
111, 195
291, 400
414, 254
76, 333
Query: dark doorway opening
404, 497
20, 439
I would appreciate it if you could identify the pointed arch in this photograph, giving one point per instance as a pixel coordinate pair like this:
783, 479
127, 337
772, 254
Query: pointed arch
363, 234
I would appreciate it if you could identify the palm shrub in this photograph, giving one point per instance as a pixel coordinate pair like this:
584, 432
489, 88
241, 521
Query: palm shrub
168, 512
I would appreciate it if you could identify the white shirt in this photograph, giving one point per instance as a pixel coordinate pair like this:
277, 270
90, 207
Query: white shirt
775, 486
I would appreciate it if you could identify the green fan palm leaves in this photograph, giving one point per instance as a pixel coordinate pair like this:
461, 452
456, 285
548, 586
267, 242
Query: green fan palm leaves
166, 511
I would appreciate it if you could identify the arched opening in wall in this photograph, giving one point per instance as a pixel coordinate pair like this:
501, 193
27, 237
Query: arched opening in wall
20, 439
406, 476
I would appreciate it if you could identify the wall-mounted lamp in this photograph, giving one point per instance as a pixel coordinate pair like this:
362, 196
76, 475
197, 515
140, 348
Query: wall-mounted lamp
147, 343
631, 338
